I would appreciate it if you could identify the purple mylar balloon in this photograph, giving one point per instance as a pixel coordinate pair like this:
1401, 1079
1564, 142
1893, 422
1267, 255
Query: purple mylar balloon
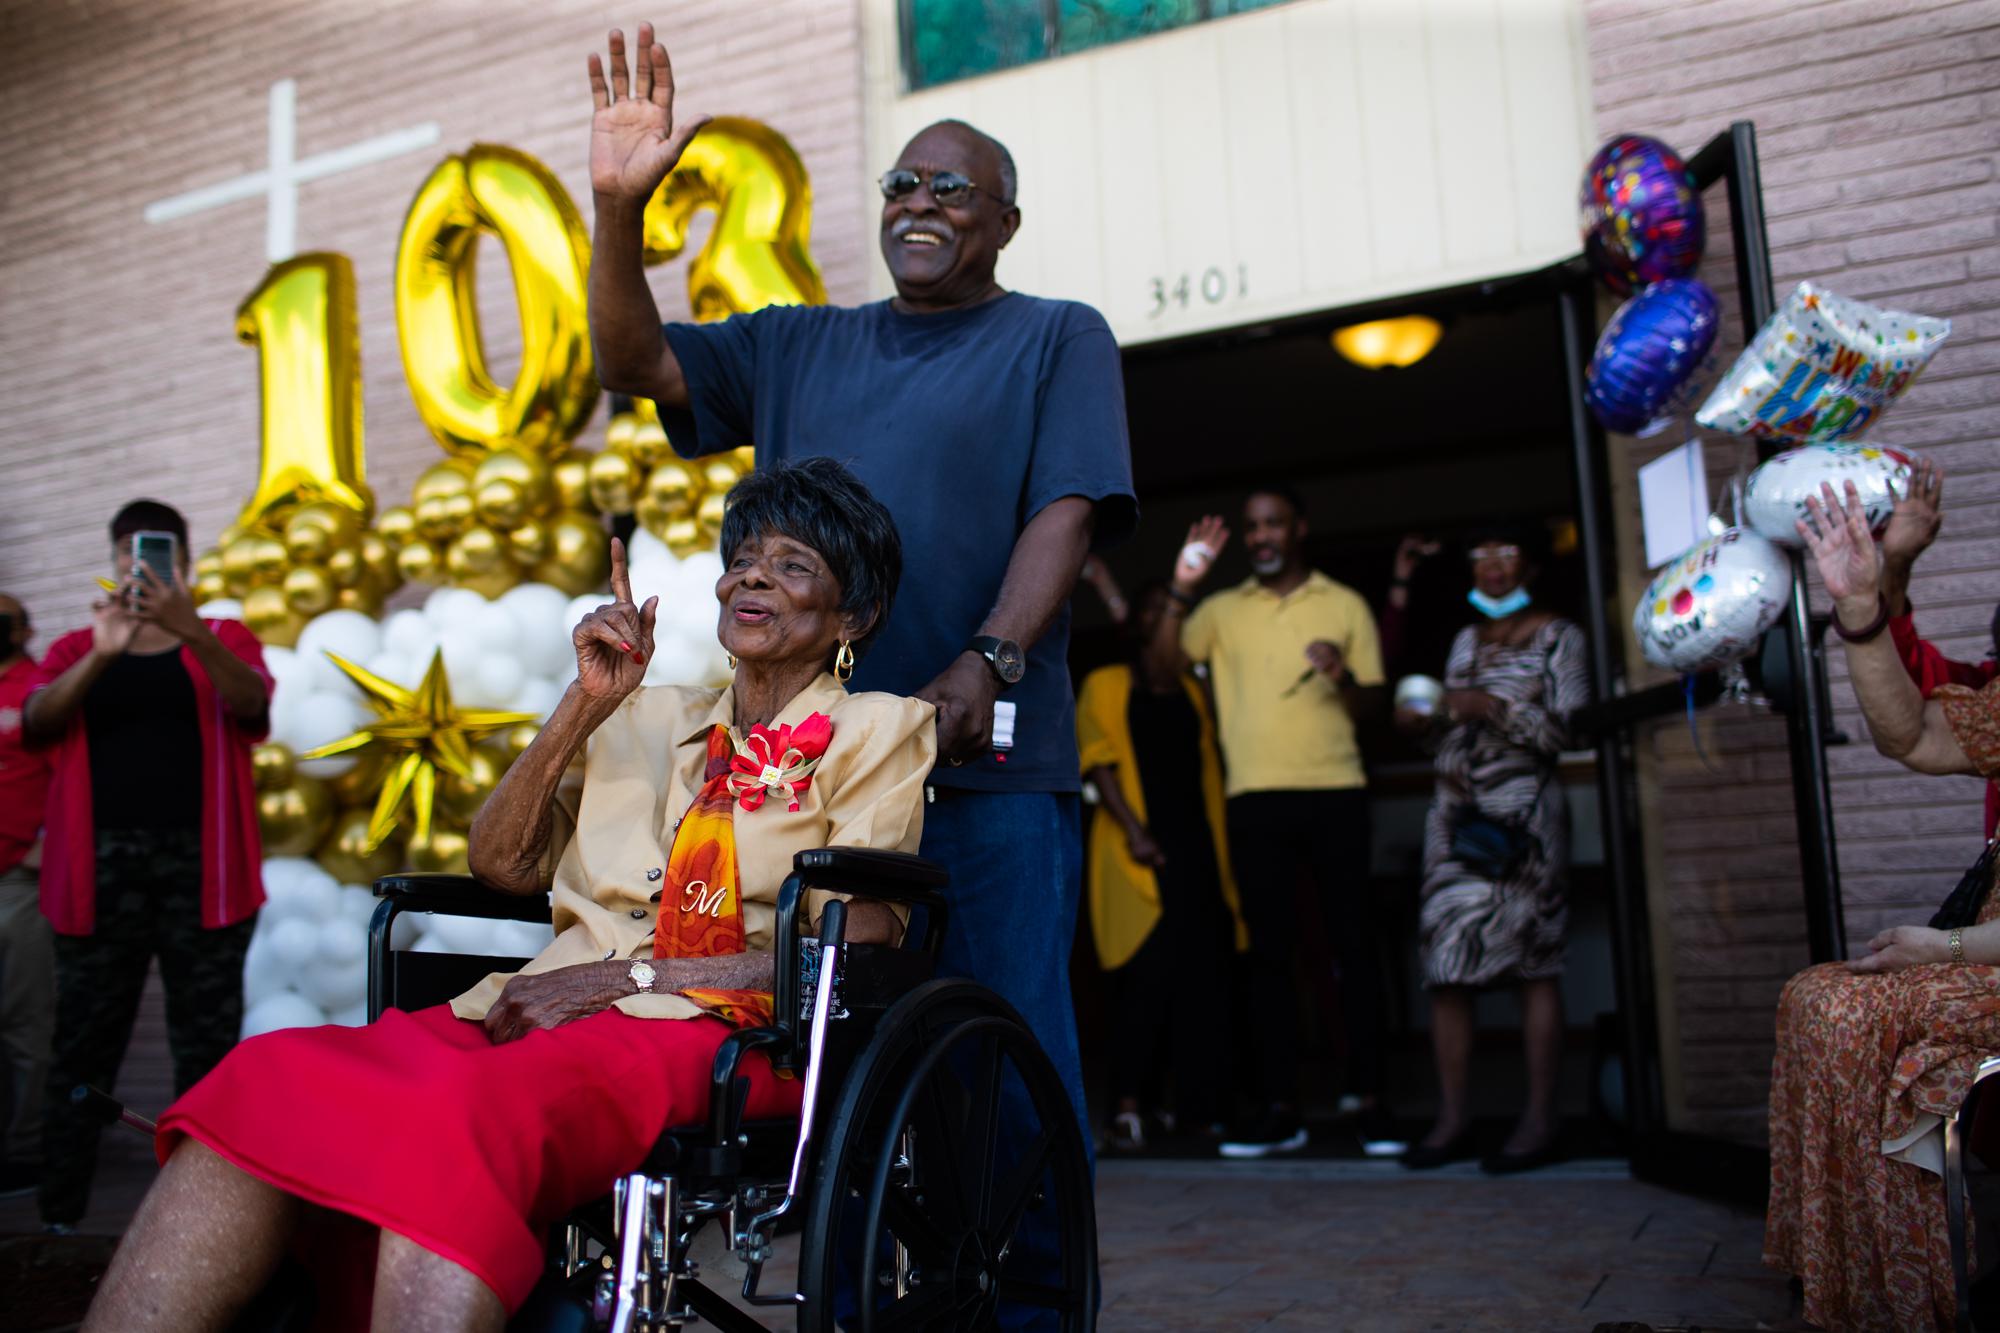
1641, 214
1649, 350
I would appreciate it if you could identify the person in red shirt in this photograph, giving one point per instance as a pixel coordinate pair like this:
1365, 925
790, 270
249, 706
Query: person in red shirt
27, 957
151, 847
1912, 528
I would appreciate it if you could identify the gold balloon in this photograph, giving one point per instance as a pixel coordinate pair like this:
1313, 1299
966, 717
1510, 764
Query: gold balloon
618, 430
419, 562
579, 554
301, 321
745, 456
346, 568
309, 590
570, 479
516, 739
272, 766
315, 531
209, 564
453, 476
359, 784
614, 482
239, 564
649, 445
396, 526
756, 254
293, 819
477, 551
508, 194
461, 796
443, 853
683, 537
709, 515
344, 853
378, 558
719, 473
270, 617
529, 544
675, 486
364, 599
209, 588
268, 560
511, 486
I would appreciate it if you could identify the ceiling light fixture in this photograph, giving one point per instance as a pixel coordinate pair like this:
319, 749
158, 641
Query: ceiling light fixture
1380, 343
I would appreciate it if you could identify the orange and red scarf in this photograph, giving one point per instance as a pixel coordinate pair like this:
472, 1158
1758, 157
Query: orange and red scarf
701, 914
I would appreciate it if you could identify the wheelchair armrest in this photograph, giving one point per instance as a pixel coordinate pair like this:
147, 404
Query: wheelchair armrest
867, 872
461, 895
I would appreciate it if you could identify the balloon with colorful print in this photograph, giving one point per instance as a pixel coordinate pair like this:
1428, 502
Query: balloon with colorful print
1823, 368
1641, 214
1710, 607
1774, 500
1648, 353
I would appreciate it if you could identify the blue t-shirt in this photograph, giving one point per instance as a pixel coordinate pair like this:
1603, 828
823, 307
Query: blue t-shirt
965, 425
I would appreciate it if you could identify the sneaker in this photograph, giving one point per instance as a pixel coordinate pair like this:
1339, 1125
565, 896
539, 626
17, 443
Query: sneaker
1378, 1134
1271, 1134
1127, 1133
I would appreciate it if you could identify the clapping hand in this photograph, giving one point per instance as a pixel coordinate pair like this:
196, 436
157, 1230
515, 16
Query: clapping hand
634, 142
614, 643
1844, 549
1918, 515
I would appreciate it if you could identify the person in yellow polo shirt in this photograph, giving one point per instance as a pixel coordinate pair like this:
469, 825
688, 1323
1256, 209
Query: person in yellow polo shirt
1293, 658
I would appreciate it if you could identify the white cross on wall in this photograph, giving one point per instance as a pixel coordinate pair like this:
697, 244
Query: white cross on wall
279, 182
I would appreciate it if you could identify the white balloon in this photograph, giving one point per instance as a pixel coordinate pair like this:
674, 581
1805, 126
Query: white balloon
462, 934
222, 608
348, 633
492, 684
542, 611
675, 662
537, 695
279, 662
409, 634
318, 899
447, 606
343, 943
333, 986
643, 545
463, 652
497, 628
396, 668
284, 1010
283, 873
294, 941
1774, 500
1710, 607
357, 904
264, 973
354, 1016
698, 573
321, 717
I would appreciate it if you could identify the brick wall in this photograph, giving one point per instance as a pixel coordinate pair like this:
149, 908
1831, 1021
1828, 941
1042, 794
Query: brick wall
119, 373
1878, 125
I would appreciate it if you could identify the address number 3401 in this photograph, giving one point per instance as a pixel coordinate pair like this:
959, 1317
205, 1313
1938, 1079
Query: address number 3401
1212, 286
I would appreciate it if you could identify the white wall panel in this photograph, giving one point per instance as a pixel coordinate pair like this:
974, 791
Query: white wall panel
1304, 157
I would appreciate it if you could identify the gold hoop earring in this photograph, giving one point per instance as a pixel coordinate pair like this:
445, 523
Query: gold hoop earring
843, 661
730, 658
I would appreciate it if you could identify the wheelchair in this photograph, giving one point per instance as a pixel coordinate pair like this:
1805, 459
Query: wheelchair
936, 1172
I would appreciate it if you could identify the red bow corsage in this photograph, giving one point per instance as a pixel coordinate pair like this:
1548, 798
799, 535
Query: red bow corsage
782, 761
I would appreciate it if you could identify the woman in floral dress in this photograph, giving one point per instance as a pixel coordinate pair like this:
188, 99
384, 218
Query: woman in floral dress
1873, 1053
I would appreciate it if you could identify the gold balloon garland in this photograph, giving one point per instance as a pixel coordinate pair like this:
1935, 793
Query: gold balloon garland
513, 499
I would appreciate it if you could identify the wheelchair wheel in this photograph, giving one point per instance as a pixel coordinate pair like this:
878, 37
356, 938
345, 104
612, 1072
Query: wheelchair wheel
953, 1189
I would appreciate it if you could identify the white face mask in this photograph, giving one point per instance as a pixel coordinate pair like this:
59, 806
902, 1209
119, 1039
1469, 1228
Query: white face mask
1498, 608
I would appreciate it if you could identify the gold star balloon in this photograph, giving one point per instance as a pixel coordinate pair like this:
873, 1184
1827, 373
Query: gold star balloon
419, 732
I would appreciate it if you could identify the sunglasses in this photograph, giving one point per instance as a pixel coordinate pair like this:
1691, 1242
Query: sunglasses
947, 187
1478, 553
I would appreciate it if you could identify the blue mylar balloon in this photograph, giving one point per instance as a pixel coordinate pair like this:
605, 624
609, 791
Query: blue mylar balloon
1648, 353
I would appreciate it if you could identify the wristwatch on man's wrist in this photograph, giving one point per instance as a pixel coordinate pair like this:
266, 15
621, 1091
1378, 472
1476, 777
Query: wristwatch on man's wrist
643, 975
1004, 656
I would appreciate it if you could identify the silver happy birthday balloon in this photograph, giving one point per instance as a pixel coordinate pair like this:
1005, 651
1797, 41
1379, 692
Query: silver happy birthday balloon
1775, 499
1710, 607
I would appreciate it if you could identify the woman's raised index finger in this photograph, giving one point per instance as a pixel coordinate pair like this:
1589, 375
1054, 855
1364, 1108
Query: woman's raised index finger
621, 582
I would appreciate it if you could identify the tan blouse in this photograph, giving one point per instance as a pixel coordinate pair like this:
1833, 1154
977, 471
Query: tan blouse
643, 766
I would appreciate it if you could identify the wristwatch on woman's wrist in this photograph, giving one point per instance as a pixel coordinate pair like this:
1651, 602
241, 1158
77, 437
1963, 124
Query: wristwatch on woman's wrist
643, 975
1957, 942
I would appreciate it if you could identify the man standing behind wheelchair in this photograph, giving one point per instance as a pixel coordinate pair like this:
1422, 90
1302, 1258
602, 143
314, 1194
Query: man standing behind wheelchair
534, 1092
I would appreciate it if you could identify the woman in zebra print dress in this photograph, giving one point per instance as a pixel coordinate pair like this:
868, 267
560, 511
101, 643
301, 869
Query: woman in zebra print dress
1511, 684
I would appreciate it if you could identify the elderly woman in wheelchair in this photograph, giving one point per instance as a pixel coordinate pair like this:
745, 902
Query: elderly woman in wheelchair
416, 1167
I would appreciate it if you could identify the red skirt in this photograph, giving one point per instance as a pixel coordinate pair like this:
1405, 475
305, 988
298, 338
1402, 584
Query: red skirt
419, 1124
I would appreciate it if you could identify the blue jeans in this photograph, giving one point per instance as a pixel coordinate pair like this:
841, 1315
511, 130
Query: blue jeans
1016, 864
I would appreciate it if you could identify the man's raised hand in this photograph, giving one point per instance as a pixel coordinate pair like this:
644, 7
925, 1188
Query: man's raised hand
614, 642
634, 142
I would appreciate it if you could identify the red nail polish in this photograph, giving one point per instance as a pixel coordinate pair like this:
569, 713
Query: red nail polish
640, 658
626, 646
